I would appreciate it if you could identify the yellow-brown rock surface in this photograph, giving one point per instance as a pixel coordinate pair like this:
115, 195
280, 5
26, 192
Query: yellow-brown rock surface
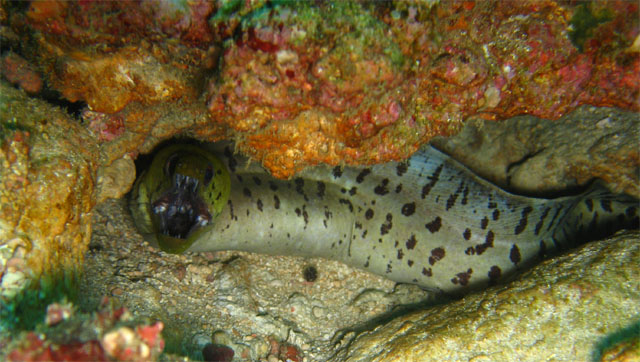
48, 166
531, 155
109, 82
296, 84
564, 309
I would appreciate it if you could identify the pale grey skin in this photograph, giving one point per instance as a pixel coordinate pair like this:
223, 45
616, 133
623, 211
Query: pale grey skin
428, 221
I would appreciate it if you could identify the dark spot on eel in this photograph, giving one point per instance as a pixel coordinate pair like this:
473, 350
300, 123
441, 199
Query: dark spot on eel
523, 220
401, 168
436, 254
321, 189
387, 225
494, 274
382, 188
433, 180
337, 172
496, 214
408, 209
463, 277
434, 225
411, 242
589, 203
362, 175
514, 255
368, 214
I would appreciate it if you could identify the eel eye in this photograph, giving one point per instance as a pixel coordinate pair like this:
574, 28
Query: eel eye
208, 175
170, 165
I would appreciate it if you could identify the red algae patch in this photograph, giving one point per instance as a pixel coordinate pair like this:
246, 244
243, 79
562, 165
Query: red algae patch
340, 83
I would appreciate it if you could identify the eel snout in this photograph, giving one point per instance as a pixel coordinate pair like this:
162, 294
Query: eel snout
180, 210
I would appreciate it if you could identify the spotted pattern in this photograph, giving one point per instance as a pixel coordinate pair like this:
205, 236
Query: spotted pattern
435, 225
362, 175
433, 179
522, 224
382, 189
408, 209
321, 189
462, 278
514, 254
411, 242
474, 234
494, 274
436, 254
402, 168
387, 224
369, 214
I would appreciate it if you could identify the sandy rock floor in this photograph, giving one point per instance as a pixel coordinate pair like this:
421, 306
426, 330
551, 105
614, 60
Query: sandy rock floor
249, 302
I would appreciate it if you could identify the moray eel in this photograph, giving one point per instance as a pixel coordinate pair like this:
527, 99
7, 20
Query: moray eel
427, 220
178, 197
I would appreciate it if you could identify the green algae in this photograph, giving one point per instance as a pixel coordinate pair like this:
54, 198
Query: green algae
584, 21
227, 9
324, 22
630, 333
9, 126
28, 308
8, 122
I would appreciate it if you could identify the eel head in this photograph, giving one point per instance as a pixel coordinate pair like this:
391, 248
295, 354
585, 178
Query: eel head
180, 210
179, 196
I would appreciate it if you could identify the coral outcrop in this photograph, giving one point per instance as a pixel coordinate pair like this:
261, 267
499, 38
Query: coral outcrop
299, 83
110, 334
47, 192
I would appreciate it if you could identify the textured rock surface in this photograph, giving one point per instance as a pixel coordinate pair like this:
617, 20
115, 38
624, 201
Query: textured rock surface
109, 334
48, 166
531, 155
252, 302
560, 310
246, 301
299, 83
110, 82
115, 180
288, 90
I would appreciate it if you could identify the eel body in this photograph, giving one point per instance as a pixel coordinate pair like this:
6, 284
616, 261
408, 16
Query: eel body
427, 220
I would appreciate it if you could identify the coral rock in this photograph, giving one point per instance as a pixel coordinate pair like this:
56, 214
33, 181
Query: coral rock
116, 179
111, 81
47, 186
106, 335
297, 84
559, 310
529, 155
17, 71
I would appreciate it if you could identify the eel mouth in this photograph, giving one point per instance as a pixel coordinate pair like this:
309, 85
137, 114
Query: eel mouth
180, 211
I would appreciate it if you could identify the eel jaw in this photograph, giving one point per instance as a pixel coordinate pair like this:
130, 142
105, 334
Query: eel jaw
180, 211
